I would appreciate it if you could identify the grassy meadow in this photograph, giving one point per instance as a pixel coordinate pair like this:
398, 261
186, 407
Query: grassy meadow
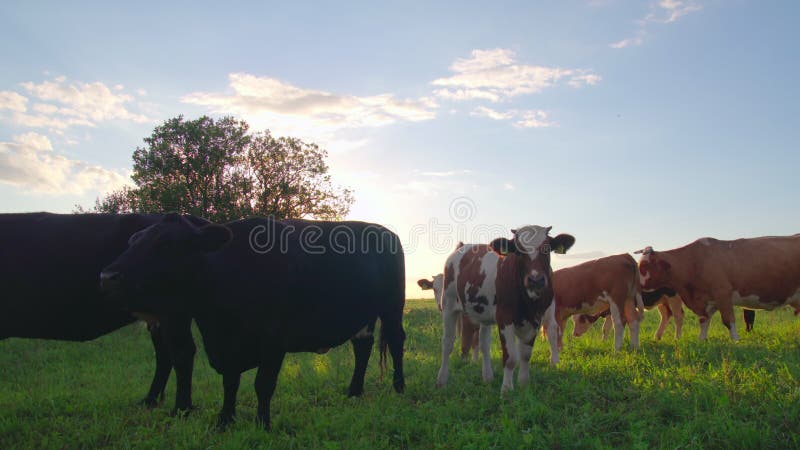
669, 394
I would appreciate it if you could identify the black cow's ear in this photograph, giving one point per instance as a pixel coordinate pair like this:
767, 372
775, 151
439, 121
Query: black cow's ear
503, 246
561, 243
211, 238
136, 236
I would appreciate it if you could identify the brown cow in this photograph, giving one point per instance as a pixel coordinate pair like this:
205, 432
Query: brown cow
469, 331
711, 275
508, 282
606, 283
668, 302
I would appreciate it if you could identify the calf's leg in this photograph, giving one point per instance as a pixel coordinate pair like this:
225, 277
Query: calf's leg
526, 335
676, 307
665, 313
449, 318
485, 337
551, 328
510, 355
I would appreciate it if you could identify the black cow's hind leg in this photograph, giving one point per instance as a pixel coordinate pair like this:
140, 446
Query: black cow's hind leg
266, 379
182, 349
362, 349
163, 367
230, 382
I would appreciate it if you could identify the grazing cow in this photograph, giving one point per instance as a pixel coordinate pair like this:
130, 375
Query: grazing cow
261, 288
749, 319
469, 331
668, 302
711, 275
508, 282
606, 283
49, 274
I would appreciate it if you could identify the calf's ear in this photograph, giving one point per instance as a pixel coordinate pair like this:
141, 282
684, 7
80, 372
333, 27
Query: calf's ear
561, 243
503, 246
424, 284
211, 238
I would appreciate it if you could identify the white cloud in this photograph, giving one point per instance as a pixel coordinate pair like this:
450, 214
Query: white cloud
448, 173
675, 9
30, 163
662, 12
62, 104
495, 75
270, 103
13, 101
534, 119
93, 102
636, 40
525, 118
583, 78
482, 111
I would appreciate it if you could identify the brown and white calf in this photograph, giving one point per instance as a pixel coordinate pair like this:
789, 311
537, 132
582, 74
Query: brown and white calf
589, 288
508, 282
711, 275
669, 304
469, 331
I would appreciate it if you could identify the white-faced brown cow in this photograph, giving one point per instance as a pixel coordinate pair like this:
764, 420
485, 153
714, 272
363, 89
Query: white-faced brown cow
508, 282
589, 288
669, 305
711, 275
469, 331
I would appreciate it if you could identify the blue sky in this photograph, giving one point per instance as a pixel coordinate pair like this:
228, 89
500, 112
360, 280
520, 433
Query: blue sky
624, 123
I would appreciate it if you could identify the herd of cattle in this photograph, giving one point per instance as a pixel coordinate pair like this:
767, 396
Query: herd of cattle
77, 277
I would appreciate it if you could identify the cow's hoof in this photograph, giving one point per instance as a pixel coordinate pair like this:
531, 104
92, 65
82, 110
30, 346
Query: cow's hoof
263, 422
182, 411
355, 392
224, 421
150, 402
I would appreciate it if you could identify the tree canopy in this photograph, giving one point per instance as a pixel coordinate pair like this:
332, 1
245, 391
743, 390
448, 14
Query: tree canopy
219, 171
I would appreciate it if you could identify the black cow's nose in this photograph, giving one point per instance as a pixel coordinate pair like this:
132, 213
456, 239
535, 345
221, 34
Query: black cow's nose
109, 279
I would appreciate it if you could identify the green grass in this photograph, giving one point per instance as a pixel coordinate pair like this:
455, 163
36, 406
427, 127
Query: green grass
669, 394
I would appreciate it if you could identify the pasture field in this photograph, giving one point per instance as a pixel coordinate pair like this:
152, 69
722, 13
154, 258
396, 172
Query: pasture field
669, 394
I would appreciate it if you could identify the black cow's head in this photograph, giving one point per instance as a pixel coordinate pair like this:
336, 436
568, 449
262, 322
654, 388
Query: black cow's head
152, 274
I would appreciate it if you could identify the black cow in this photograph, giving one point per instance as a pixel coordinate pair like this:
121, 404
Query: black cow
49, 276
260, 288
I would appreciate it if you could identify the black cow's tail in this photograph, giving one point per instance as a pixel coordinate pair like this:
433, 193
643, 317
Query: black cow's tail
392, 335
383, 346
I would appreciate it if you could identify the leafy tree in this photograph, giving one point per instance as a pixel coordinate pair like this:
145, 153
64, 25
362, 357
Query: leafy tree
216, 170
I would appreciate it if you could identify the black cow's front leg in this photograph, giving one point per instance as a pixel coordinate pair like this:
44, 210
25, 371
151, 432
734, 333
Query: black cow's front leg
182, 350
266, 379
230, 382
163, 367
